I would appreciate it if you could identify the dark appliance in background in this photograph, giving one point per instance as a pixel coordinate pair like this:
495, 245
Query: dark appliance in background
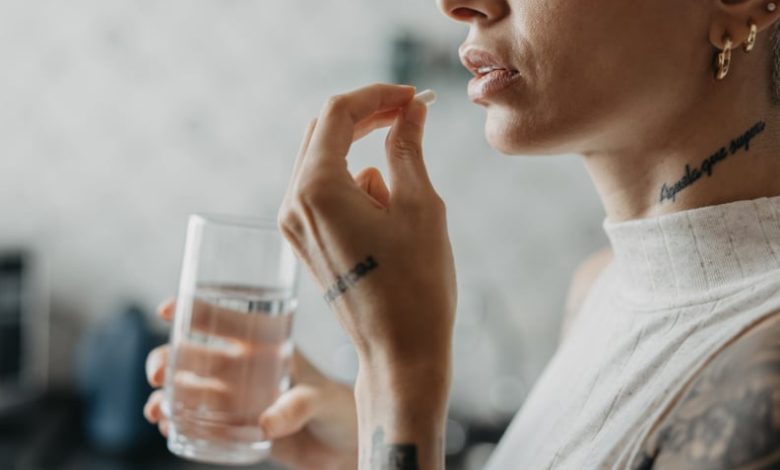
24, 330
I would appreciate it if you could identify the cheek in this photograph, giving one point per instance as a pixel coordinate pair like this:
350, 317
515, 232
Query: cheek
565, 89
582, 81
553, 113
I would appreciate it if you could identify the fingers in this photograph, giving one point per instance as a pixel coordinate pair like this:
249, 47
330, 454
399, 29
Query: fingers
166, 309
235, 403
370, 180
290, 413
239, 404
238, 381
231, 365
153, 412
286, 415
234, 364
362, 128
302, 151
374, 122
404, 151
155, 365
338, 120
153, 407
216, 320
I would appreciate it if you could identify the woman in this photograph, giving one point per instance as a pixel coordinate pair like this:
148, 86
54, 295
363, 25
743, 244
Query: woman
670, 356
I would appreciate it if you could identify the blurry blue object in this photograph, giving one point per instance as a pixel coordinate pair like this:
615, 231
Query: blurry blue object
112, 380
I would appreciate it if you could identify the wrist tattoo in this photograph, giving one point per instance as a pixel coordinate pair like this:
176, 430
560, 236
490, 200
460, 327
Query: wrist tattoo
392, 456
707, 165
345, 281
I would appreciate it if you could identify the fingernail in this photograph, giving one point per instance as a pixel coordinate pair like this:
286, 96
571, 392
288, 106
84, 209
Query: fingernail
148, 413
162, 308
157, 376
155, 366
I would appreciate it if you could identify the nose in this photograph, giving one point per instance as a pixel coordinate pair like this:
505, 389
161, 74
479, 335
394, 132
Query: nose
471, 11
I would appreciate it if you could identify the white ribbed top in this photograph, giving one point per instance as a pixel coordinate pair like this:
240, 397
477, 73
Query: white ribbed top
689, 256
680, 286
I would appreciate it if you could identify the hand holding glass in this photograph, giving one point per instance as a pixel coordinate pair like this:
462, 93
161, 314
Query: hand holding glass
230, 342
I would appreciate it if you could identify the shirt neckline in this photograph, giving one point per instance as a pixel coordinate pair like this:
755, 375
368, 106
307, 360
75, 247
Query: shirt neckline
695, 253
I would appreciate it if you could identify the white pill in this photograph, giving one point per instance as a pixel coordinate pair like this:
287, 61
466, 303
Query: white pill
427, 97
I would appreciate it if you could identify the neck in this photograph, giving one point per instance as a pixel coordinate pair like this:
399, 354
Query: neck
723, 148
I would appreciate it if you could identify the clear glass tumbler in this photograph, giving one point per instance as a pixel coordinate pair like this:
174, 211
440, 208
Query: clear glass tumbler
230, 341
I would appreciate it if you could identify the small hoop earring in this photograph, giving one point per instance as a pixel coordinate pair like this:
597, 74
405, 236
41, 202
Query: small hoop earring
724, 60
750, 42
771, 6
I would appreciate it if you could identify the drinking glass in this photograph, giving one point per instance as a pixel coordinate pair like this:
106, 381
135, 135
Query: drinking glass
230, 342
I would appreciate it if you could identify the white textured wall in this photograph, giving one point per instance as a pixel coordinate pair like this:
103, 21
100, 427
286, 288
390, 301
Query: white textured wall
121, 117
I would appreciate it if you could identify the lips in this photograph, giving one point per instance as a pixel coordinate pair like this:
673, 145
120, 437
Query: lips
491, 73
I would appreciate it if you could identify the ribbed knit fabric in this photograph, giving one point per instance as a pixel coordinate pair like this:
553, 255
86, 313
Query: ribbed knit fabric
680, 287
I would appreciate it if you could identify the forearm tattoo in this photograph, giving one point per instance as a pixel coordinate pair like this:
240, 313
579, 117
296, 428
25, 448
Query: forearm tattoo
392, 456
690, 175
730, 417
348, 280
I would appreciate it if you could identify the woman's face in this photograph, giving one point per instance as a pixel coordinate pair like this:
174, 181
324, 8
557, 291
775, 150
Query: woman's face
590, 73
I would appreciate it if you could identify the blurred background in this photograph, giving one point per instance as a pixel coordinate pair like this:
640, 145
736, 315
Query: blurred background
119, 118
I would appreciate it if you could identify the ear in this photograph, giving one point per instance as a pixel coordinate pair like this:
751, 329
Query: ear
733, 18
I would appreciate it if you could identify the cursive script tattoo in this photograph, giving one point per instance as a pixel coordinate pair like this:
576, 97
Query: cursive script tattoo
690, 175
392, 456
349, 279
730, 415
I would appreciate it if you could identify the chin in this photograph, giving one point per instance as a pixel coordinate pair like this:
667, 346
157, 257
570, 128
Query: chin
511, 134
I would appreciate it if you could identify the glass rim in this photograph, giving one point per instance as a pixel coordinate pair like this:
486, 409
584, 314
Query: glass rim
232, 220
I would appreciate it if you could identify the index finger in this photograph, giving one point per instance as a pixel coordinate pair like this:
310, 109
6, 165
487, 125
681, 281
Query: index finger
336, 124
219, 320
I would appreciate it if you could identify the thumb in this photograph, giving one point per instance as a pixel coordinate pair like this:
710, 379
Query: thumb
290, 413
404, 150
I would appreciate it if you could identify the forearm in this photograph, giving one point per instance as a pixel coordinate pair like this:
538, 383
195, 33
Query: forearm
401, 415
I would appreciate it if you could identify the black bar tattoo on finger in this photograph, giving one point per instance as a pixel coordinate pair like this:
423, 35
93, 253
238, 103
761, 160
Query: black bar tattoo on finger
348, 280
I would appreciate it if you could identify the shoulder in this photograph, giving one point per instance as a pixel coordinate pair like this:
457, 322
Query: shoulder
729, 416
581, 282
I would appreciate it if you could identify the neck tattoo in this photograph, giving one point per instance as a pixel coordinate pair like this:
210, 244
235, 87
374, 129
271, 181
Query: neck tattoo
691, 175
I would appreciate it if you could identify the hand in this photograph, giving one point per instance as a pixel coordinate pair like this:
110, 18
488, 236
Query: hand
384, 262
382, 258
313, 425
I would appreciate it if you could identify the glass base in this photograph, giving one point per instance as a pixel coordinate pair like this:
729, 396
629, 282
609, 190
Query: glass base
217, 452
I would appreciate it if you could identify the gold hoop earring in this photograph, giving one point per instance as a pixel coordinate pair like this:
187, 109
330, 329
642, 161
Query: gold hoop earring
724, 60
750, 42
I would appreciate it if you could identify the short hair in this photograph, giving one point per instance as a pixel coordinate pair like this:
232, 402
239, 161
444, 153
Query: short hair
774, 63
